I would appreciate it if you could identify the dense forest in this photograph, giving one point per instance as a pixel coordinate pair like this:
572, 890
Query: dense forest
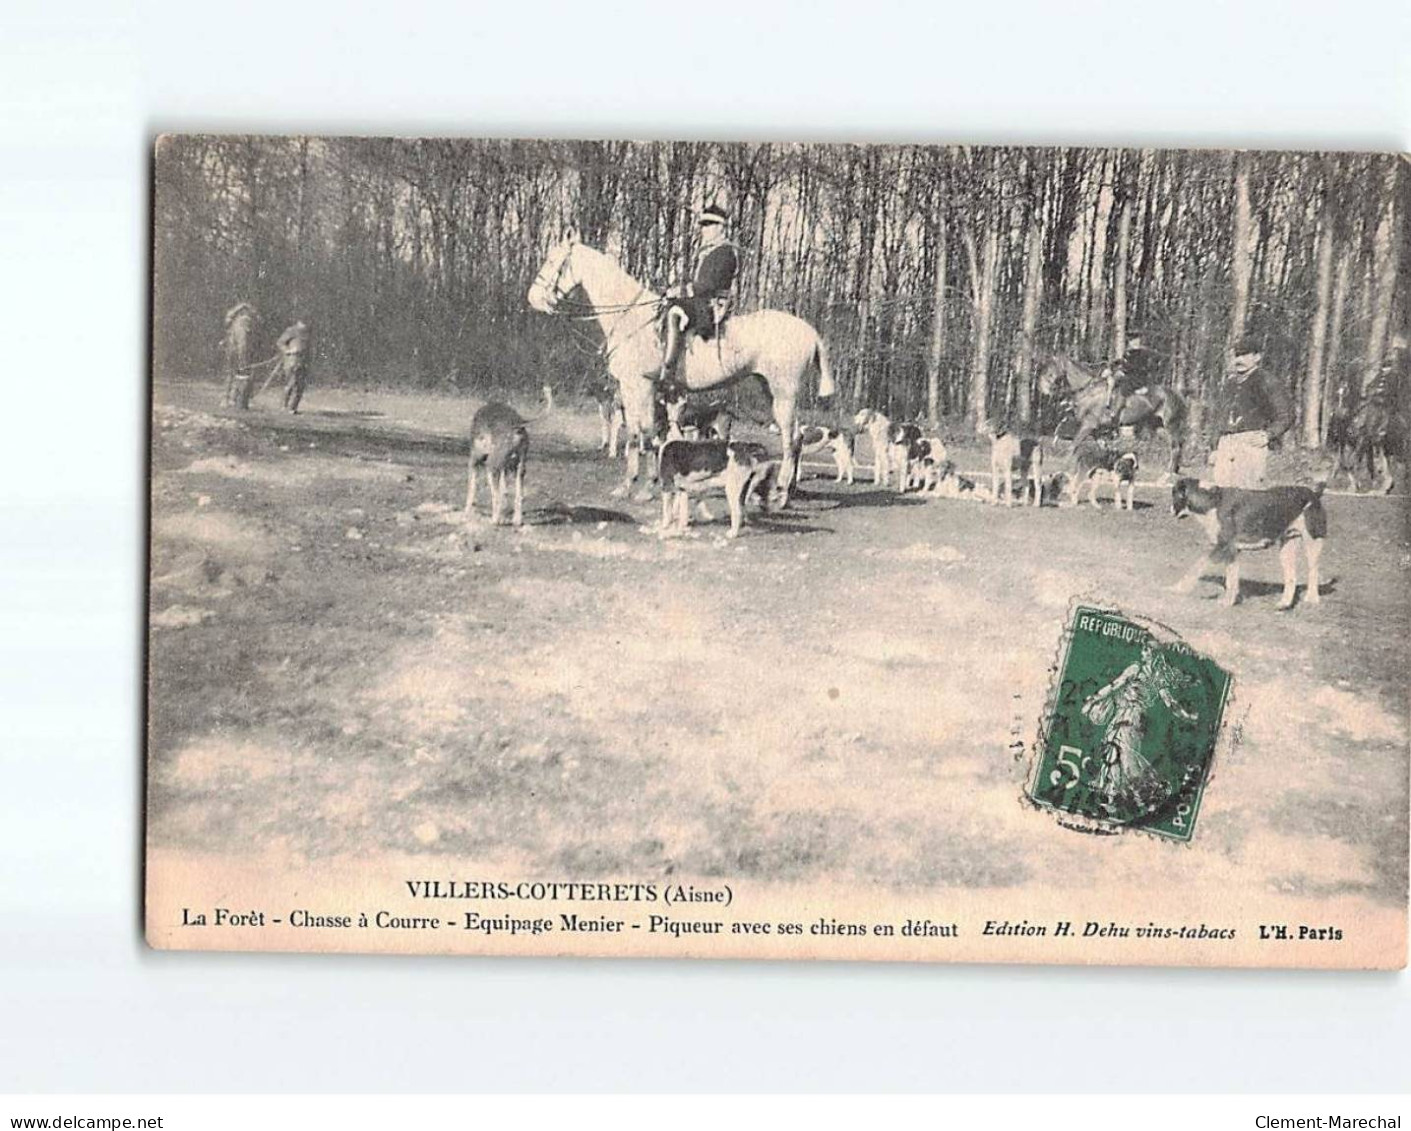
938, 275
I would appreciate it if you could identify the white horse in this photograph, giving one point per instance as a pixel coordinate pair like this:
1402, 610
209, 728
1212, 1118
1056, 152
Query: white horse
766, 343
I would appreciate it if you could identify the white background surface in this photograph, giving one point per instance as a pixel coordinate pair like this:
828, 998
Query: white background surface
84, 89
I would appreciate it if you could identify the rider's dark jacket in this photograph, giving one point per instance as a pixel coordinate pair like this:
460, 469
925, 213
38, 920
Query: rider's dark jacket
1138, 367
1253, 403
716, 268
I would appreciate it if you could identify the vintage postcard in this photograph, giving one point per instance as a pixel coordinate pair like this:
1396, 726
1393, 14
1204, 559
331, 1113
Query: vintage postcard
924, 553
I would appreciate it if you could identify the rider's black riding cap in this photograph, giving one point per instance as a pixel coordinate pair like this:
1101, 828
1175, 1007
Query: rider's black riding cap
1248, 344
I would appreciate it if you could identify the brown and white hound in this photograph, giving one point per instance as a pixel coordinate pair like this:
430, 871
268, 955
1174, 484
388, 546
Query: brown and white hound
1096, 462
1011, 455
1237, 519
814, 438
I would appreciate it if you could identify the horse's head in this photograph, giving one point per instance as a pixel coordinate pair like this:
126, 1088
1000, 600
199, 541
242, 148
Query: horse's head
556, 278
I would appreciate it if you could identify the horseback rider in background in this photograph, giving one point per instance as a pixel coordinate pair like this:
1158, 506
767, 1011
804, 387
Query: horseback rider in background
1133, 372
702, 304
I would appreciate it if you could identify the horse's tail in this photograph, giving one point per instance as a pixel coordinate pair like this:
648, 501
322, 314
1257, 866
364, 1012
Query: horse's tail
1177, 412
826, 388
1175, 418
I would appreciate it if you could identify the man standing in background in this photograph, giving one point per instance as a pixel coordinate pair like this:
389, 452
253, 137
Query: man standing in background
294, 346
235, 350
1253, 411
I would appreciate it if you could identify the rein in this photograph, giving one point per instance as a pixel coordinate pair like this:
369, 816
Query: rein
272, 372
587, 310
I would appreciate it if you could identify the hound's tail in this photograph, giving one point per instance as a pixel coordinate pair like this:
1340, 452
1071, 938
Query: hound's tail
826, 388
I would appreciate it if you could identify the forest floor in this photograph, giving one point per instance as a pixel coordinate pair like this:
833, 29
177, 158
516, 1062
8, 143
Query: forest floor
340, 666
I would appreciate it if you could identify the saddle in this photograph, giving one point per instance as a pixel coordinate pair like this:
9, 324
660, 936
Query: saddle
705, 317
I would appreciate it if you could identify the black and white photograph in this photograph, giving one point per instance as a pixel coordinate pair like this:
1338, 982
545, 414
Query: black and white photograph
692, 548
772, 561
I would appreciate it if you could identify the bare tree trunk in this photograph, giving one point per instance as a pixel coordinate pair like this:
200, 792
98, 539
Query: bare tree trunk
984, 316
938, 319
1029, 319
1241, 251
1313, 389
1097, 267
1151, 171
1204, 333
1387, 252
868, 229
1119, 274
302, 239
1341, 284
859, 379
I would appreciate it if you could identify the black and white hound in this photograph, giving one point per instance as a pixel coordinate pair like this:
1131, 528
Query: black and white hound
690, 467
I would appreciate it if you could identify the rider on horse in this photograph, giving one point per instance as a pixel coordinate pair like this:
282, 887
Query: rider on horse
701, 306
1133, 372
1392, 376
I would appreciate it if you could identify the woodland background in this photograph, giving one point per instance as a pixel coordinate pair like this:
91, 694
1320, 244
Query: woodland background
938, 275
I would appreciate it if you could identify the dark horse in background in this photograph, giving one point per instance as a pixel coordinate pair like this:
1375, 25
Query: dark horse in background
1097, 412
1367, 429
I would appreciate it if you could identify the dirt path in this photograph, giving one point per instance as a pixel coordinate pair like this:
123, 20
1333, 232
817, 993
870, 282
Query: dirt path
340, 666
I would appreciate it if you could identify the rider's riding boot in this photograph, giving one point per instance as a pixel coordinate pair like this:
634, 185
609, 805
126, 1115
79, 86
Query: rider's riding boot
669, 354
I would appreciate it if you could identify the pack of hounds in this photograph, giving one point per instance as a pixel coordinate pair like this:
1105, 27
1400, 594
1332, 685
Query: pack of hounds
696, 456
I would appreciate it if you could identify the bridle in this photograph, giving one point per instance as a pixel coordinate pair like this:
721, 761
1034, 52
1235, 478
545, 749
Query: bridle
554, 291
586, 310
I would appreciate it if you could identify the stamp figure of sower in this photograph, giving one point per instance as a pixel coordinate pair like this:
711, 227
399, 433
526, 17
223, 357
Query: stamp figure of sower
1125, 776
1131, 730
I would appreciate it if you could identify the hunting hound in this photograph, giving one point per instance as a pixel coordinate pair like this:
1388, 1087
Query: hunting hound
1096, 462
613, 418
690, 467
901, 439
1011, 455
924, 462
814, 438
499, 441
701, 420
1236, 519
950, 484
877, 428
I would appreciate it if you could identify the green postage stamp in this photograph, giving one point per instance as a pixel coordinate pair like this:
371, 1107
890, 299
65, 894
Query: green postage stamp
1130, 728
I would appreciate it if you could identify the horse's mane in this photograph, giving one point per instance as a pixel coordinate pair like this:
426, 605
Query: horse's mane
603, 261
